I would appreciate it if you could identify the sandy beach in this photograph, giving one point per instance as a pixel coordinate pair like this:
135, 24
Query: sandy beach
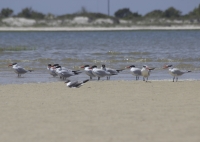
114, 111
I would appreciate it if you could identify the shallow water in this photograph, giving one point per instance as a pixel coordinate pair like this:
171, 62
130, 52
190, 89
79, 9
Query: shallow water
115, 49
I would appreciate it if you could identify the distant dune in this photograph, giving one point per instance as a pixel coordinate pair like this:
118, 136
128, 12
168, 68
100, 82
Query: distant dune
84, 23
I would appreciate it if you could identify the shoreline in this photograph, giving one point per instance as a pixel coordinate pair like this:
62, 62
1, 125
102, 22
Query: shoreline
99, 28
109, 81
104, 80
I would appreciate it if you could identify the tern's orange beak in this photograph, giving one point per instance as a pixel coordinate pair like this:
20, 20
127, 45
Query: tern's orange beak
9, 65
127, 67
165, 67
151, 68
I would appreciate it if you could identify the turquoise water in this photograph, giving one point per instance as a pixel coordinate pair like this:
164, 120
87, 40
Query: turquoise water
115, 49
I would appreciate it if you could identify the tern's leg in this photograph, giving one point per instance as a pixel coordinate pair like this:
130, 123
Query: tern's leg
143, 79
173, 78
90, 78
98, 78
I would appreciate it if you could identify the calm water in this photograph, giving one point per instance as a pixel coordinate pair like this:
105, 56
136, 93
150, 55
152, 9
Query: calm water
116, 49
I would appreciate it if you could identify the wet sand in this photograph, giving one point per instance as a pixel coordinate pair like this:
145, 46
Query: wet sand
186, 27
114, 111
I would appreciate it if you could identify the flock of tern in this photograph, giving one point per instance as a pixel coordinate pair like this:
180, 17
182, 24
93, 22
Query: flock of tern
92, 71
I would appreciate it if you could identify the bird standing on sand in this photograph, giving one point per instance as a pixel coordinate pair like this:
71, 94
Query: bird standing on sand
111, 71
135, 71
88, 71
51, 69
63, 74
75, 84
100, 72
146, 72
175, 72
19, 70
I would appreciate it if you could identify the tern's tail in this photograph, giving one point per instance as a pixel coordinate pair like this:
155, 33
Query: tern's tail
84, 81
119, 70
77, 72
30, 70
188, 71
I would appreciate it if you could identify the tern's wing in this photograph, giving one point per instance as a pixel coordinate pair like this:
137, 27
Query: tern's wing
177, 72
102, 72
137, 72
21, 70
78, 84
89, 73
66, 73
73, 84
111, 71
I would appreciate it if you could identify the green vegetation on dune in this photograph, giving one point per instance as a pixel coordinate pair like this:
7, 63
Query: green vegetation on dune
122, 17
123, 13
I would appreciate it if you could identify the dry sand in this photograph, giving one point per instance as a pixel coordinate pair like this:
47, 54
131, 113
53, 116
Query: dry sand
104, 111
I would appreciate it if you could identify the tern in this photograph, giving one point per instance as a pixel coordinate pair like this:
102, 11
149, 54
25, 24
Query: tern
19, 70
111, 71
175, 72
51, 69
65, 73
75, 84
135, 71
88, 71
146, 72
100, 72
